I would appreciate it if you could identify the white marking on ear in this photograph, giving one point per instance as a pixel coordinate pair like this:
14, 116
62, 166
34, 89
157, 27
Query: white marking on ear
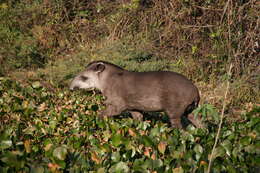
100, 67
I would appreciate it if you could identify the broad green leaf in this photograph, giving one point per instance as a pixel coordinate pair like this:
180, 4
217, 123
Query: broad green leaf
228, 146
10, 158
143, 125
120, 167
231, 169
60, 152
227, 133
147, 141
236, 151
200, 132
246, 140
194, 49
139, 165
37, 169
115, 157
155, 131
177, 154
5, 144
157, 163
29, 130
101, 170
116, 140
219, 152
106, 147
36, 84
187, 137
53, 123
252, 149
177, 170
191, 129
198, 149
61, 163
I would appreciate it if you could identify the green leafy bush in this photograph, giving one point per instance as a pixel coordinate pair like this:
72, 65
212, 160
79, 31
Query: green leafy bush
59, 131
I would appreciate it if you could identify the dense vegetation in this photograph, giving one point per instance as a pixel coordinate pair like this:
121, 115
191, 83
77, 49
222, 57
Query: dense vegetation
43, 44
41, 131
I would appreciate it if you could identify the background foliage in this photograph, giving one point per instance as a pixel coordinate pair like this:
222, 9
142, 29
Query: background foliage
44, 43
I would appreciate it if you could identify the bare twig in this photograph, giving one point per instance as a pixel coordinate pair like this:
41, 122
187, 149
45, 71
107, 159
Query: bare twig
197, 26
221, 121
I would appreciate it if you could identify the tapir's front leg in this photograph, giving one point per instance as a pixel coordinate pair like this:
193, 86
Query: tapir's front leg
113, 107
111, 110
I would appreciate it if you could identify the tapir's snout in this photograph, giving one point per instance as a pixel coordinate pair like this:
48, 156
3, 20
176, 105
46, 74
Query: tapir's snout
73, 86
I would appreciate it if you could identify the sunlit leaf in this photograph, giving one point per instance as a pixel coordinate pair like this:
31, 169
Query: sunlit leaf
155, 131
228, 146
48, 147
143, 125
198, 148
162, 147
42, 107
29, 130
246, 140
157, 163
101, 170
37, 169
60, 152
27, 146
116, 140
36, 84
115, 156
120, 167
53, 123
131, 132
95, 157
178, 170
219, 152
5, 144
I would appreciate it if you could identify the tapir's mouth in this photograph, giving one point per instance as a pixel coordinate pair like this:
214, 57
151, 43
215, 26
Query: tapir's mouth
85, 89
89, 89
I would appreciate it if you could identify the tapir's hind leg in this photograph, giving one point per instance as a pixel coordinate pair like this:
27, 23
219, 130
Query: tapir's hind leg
175, 117
195, 121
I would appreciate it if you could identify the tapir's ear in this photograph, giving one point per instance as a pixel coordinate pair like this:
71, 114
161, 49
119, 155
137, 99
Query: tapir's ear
100, 67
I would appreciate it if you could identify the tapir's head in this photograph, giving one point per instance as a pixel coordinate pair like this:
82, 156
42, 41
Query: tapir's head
90, 77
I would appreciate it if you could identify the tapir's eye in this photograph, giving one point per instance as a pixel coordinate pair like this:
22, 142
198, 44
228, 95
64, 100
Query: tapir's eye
83, 78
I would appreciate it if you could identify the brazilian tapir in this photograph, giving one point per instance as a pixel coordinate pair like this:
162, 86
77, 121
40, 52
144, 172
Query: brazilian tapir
140, 91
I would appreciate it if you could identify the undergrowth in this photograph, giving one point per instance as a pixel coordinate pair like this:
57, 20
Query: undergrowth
60, 132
